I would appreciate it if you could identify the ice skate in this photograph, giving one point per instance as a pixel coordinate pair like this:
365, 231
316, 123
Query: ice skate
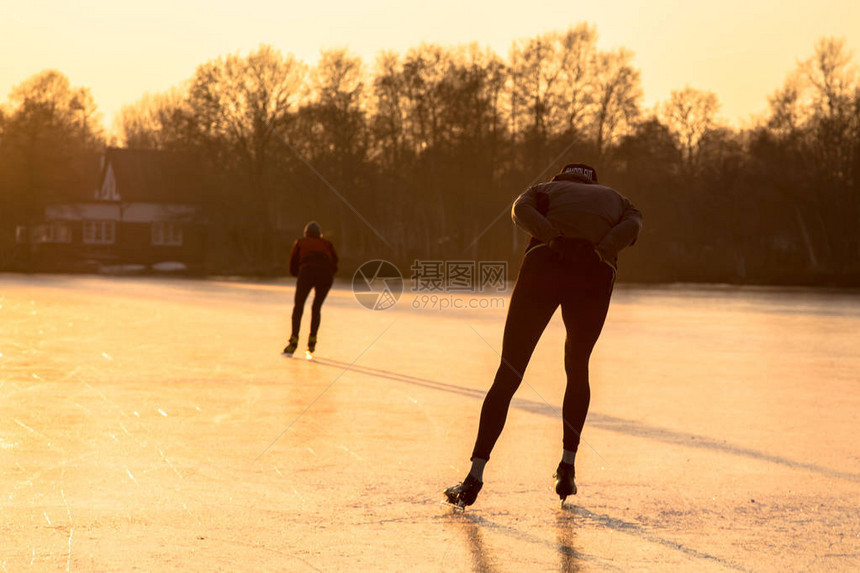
564, 484
312, 346
290, 348
464, 493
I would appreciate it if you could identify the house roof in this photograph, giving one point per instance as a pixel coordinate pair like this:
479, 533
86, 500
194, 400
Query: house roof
80, 177
153, 176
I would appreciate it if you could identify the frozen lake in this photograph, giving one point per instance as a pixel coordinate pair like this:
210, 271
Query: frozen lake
151, 425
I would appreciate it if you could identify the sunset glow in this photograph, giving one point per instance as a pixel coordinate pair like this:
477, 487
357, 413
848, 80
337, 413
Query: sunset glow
740, 50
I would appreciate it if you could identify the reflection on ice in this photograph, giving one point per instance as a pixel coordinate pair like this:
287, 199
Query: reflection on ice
702, 400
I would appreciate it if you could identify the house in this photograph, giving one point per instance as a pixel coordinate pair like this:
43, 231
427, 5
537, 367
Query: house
144, 208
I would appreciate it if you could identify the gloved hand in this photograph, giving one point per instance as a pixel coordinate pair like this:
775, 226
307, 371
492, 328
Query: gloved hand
556, 247
603, 259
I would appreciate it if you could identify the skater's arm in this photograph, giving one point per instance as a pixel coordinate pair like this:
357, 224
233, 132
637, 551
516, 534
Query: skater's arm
527, 215
623, 234
294, 259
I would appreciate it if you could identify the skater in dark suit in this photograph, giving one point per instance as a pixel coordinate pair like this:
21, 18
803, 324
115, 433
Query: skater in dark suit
577, 227
313, 260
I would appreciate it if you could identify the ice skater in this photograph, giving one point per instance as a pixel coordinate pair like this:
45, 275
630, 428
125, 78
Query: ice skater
577, 227
313, 260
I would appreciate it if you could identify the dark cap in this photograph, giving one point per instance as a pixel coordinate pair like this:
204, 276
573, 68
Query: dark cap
581, 170
312, 229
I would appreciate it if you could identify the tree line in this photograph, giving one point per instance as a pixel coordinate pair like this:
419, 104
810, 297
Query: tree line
419, 155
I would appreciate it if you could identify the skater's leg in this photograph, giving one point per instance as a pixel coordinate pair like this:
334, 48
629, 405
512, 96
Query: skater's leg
583, 312
477, 470
303, 288
532, 305
321, 287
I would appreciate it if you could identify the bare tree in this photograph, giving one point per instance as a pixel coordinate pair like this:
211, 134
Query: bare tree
536, 75
241, 106
617, 94
388, 116
424, 70
338, 97
579, 60
50, 126
834, 143
690, 113
788, 112
833, 78
49, 136
332, 131
156, 121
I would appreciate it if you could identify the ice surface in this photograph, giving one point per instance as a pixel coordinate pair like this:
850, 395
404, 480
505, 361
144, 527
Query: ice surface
152, 424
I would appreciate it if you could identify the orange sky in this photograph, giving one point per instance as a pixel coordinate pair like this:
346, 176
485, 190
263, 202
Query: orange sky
740, 50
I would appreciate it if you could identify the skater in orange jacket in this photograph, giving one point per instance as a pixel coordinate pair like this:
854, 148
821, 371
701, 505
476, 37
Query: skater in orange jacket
313, 260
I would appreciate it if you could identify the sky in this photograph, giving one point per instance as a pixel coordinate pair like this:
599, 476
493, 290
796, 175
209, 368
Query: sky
742, 50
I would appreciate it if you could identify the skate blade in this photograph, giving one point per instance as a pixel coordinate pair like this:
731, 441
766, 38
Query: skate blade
287, 354
564, 497
309, 355
457, 507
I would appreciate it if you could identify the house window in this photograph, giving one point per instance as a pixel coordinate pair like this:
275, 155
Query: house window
99, 232
166, 233
45, 234
53, 232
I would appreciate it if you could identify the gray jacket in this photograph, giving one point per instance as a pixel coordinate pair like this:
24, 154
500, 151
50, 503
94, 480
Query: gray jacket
570, 207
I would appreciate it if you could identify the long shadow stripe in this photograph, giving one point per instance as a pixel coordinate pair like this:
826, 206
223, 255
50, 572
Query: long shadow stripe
605, 422
622, 526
